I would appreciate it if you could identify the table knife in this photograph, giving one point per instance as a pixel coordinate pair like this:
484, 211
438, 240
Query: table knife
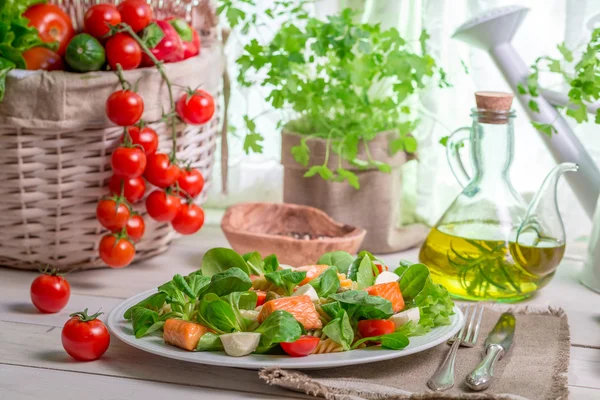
496, 345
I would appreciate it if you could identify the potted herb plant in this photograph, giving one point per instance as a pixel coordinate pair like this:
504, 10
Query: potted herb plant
345, 92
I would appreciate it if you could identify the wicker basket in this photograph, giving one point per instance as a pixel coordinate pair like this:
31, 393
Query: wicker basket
55, 163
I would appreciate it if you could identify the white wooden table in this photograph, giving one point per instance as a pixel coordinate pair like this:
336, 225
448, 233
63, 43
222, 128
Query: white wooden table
33, 362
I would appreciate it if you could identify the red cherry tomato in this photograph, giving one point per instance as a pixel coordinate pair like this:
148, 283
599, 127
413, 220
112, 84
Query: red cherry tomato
136, 13
135, 227
129, 162
196, 109
84, 337
191, 182
160, 172
375, 327
52, 23
133, 188
124, 50
97, 19
116, 251
381, 267
261, 297
162, 207
111, 215
43, 58
145, 137
124, 107
301, 347
50, 292
169, 49
189, 219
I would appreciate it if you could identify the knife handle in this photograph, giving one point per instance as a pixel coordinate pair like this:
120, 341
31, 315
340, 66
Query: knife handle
481, 377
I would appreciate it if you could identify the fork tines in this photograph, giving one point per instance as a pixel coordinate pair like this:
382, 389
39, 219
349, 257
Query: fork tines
470, 331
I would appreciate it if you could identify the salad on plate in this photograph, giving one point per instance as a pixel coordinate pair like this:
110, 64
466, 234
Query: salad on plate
243, 304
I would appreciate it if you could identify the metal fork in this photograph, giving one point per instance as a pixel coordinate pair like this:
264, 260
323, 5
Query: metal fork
443, 378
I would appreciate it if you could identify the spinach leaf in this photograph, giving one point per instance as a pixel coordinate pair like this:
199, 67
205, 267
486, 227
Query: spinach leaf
340, 330
280, 326
221, 259
394, 341
360, 305
327, 283
271, 263
174, 295
255, 263
287, 279
182, 285
197, 284
209, 342
339, 259
217, 314
231, 280
364, 275
242, 301
154, 303
144, 321
332, 309
413, 281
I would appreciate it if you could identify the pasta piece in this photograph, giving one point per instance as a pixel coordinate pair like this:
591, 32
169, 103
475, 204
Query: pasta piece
345, 283
260, 283
327, 346
325, 318
316, 333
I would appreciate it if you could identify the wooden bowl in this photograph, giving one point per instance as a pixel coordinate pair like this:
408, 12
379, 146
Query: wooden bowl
268, 229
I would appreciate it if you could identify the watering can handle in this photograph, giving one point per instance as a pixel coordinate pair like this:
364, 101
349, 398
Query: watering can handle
454, 143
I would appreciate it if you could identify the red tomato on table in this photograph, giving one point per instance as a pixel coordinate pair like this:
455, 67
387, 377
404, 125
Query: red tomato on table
375, 327
84, 337
301, 347
50, 292
52, 23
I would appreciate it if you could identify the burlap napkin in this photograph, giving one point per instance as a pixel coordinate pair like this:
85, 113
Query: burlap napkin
535, 367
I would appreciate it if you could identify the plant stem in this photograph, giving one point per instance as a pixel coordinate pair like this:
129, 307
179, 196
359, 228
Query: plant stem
124, 84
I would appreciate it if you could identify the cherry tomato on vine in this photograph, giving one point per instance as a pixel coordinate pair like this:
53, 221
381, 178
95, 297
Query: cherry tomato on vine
116, 250
375, 327
52, 23
145, 137
50, 292
302, 347
135, 227
161, 206
124, 107
43, 58
97, 19
124, 50
197, 108
191, 182
112, 215
136, 13
84, 337
133, 188
160, 172
129, 162
189, 219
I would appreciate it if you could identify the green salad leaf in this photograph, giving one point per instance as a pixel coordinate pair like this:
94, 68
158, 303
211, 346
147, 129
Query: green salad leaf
218, 314
394, 341
280, 326
363, 271
287, 279
339, 259
327, 283
413, 280
242, 301
221, 259
154, 303
435, 305
197, 283
340, 330
255, 263
209, 342
270, 264
360, 305
145, 321
228, 281
332, 309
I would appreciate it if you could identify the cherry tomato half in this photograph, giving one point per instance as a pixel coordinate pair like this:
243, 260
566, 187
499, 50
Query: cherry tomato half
160, 172
133, 188
375, 327
189, 219
43, 58
135, 13
129, 162
196, 109
162, 207
50, 292
124, 50
135, 227
84, 337
111, 215
261, 298
381, 267
302, 347
145, 137
97, 19
191, 182
52, 23
124, 107
115, 251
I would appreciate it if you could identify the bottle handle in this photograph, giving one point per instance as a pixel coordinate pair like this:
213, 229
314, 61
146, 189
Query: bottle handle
454, 143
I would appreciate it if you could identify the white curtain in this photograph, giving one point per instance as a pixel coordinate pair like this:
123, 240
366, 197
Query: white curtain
429, 183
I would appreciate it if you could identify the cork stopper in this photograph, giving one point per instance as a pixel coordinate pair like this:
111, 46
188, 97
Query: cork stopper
493, 107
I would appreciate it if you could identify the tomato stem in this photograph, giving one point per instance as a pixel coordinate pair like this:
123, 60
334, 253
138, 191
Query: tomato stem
84, 317
124, 84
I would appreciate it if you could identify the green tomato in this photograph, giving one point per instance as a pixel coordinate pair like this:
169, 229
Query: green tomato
85, 53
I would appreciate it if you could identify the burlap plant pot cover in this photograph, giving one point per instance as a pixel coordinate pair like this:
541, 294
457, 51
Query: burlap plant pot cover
55, 163
376, 206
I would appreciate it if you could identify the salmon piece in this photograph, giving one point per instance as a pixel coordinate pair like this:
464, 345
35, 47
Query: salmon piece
183, 334
389, 291
301, 307
312, 271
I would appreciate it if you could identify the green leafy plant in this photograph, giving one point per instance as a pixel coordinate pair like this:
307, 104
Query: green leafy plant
340, 81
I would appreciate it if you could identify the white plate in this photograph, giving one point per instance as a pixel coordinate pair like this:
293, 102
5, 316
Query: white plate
122, 329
